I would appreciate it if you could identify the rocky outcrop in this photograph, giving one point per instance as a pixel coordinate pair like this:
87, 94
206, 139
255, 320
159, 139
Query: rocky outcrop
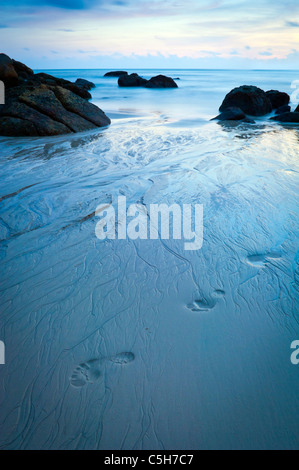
292, 118
161, 82
133, 80
250, 99
283, 109
231, 114
43, 105
278, 99
116, 74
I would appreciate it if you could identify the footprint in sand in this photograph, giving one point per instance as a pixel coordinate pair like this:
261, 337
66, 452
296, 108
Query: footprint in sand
90, 371
204, 305
260, 260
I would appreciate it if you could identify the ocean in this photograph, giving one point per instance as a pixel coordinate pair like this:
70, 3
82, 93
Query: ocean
140, 344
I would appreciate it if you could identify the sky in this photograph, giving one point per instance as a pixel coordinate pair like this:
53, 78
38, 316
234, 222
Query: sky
117, 34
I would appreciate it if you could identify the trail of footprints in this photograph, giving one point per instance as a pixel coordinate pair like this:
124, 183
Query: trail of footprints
256, 261
90, 371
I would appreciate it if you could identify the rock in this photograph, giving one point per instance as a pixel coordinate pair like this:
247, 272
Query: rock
44, 100
116, 74
250, 99
278, 99
297, 109
81, 107
80, 91
133, 80
283, 109
287, 118
80, 82
8, 74
22, 70
42, 105
231, 114
46, 79
161, 82
12, 72
14, 127
28, 121
47, 110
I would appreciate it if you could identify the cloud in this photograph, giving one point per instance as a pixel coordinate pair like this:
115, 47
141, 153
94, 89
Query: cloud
292, 24
266, 54
231, 30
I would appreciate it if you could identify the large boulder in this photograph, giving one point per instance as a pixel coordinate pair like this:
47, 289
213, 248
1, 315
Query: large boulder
116, 74
133, 80
292, 118
250, 99
231, 114
42, 105
161, 82
8, 73
278, 99
44, 100
27, 120
46, 110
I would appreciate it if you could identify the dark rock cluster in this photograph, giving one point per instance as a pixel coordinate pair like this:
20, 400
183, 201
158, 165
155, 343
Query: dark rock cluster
250, 101
134, 80
43, 105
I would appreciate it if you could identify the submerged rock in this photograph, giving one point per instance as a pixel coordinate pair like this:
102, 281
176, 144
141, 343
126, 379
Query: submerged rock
231, 114
250, 99
133, 80
116, 74
161, 82
287, 118
278, 99
43, 105
283, 109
